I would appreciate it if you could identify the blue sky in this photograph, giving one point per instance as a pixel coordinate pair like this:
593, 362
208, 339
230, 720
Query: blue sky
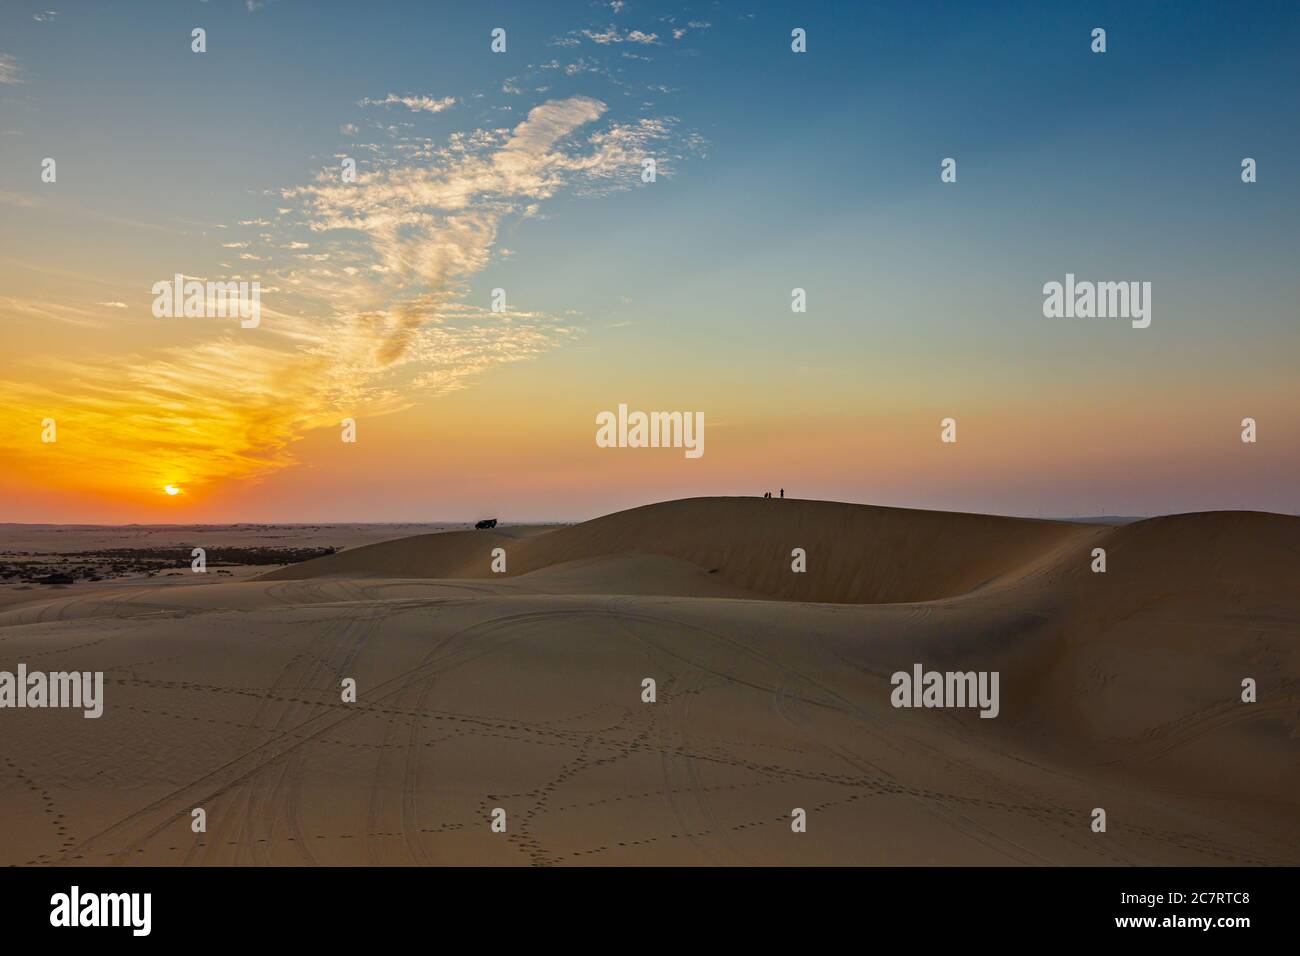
818, 170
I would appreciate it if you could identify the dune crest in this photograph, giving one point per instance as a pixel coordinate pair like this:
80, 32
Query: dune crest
857, 554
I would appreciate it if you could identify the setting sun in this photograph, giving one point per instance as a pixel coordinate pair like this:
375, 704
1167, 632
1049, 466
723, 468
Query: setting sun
172, 490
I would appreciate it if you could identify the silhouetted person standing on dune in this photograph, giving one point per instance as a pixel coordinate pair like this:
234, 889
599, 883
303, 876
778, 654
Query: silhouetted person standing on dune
782, 492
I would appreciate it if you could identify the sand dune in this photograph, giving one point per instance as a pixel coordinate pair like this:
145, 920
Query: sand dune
858, 554
522, 691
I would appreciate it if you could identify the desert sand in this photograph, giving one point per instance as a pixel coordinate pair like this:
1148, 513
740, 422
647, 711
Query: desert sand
523, 691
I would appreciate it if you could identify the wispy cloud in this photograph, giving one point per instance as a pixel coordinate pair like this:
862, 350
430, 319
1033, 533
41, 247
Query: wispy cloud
17, 199
679, 32
9, 70
373, 319
432, 223
45, 310
426, 104
613, 34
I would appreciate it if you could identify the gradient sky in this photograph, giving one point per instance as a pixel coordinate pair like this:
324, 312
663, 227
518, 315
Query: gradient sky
522, 171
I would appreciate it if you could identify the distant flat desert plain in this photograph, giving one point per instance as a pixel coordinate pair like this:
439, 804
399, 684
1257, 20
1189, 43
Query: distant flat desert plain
521, 695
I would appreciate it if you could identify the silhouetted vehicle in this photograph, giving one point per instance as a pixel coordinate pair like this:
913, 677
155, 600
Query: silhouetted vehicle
486, 523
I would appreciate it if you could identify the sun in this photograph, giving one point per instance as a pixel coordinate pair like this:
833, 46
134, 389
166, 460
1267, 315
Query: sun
172, 490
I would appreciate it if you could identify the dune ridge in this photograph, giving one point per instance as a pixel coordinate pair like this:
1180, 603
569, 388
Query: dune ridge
858, 554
